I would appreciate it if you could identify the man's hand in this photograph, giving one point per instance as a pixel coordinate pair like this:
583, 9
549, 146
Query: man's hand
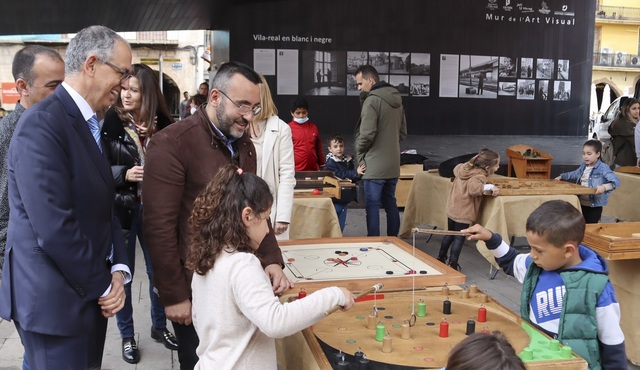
478, 232
278, 279
114, 301
280, 227
180, 312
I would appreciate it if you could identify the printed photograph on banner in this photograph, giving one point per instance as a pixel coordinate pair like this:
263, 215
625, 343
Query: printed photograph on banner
526, 67
544, 69
356, 59
508, 67
420, 85
401, 82
352, 85
380, 60
420, 63
563, 69
478, 77
543, 90
399, 63
507, 89
562, 90
323, 72
526, 89
449, 71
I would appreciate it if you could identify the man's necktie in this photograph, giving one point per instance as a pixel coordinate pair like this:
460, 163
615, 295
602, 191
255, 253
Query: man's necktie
94, 126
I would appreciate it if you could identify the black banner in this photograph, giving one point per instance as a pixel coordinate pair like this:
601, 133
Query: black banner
464, 67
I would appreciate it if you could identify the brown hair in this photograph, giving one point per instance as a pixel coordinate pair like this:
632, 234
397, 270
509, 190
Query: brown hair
484, 351
153, 103
485, 158
558, 222
216, 220
625, 109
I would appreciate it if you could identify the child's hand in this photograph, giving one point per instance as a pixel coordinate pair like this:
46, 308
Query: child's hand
349, 299
494, 191
361, 169
478, 232
600, 189
558, 178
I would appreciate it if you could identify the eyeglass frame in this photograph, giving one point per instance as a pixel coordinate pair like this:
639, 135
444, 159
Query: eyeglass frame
125, 73
243, 108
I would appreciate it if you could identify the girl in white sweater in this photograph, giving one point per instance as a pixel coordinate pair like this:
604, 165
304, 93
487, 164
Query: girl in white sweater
235, 312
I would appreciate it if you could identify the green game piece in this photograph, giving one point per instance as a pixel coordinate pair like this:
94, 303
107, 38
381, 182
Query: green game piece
541, 348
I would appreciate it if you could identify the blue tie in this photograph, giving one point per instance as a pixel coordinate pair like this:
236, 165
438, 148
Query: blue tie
94, 126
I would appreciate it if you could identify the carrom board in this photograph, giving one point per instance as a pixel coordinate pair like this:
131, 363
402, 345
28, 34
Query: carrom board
361, 262
347, 332
515, 186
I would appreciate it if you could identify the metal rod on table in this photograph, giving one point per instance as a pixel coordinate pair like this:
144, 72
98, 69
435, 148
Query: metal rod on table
439, 232
374, 288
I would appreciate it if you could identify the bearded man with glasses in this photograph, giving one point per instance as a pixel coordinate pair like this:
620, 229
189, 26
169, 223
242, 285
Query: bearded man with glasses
181, 160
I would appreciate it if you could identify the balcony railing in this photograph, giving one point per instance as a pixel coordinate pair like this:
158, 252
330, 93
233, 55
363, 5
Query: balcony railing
618, 13
616, 60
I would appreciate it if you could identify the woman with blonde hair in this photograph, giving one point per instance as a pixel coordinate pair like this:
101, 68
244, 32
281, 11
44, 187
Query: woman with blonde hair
274, 147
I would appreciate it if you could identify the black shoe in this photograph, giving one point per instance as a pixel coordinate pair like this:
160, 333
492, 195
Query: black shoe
166, 337
442, 259
454, 265
130, 351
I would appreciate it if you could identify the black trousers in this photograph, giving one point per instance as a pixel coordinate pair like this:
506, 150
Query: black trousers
187, 343
591, 214
453, 241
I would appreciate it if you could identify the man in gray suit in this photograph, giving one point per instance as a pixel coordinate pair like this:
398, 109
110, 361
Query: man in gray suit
37, 70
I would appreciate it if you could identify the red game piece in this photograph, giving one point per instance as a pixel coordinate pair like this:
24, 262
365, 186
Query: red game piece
482, 314
302, 293
444, 329
316, 192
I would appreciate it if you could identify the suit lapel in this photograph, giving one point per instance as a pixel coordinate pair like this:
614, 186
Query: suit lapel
84, 135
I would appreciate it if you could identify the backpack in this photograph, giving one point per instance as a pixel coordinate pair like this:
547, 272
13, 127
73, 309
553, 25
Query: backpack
608, 153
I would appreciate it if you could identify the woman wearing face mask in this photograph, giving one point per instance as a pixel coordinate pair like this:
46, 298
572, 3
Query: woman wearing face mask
196, 101
128, 126
274, 149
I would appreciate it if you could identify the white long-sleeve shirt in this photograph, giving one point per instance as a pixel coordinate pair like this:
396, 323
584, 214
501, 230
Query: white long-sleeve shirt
237, 316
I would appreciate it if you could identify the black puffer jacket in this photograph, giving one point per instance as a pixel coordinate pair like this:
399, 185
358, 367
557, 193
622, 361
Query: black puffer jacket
122, 154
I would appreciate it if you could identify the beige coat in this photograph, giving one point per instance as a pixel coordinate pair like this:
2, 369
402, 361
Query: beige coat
278, 170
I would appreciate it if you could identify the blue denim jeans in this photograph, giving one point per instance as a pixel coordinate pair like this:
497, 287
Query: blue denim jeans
125, 316
341, 210
381, 193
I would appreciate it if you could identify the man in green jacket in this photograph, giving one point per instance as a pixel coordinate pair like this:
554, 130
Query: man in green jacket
381, 127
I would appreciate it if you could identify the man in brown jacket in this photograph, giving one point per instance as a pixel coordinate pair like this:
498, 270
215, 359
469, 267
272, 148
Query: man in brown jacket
180, 161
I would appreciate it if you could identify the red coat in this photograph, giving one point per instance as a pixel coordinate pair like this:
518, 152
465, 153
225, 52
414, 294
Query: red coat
307, 146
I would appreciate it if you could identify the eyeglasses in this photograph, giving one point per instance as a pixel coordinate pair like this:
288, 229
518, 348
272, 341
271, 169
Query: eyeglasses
125, 74
243, 108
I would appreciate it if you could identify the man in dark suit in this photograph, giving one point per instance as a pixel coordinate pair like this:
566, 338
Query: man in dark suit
65, 264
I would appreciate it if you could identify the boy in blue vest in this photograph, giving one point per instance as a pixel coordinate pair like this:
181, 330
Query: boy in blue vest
566, 291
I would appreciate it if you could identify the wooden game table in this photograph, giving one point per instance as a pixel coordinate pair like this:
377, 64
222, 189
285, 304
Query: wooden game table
624, 202
314, 217
311, 264
619, 243
506, 215
343, 333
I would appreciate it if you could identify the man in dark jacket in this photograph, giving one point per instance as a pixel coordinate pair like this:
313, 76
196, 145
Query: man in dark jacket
180, 161
381, 127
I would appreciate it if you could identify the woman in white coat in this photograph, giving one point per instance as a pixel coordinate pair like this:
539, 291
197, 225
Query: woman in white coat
274, 147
